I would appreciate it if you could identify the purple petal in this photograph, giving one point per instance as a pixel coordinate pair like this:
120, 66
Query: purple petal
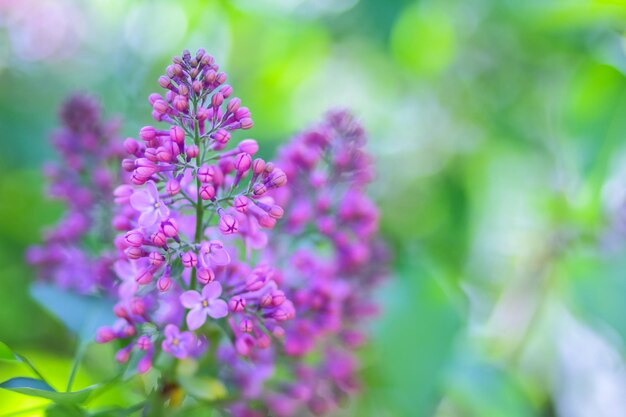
148, 218
152, 191
164, 211
141, 201
220, 256
212, 290
190, 299
196, 318
171, 331
217, 309
186, 339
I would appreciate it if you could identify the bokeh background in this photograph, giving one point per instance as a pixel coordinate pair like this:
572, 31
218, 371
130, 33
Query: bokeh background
499, 131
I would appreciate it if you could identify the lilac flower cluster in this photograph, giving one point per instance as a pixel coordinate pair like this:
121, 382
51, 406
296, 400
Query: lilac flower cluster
330, 259
194, 208
75, 252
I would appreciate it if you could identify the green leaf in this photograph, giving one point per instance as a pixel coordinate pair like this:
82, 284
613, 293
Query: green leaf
7, 354
65, 410
38, 388
203, 388
83, 315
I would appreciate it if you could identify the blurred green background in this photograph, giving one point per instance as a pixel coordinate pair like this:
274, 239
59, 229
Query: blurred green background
499, 131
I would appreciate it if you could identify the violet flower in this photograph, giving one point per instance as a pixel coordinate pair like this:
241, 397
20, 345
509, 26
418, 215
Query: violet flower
207, 304
147, 202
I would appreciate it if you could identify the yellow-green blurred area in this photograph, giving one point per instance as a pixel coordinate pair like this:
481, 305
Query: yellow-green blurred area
499, 132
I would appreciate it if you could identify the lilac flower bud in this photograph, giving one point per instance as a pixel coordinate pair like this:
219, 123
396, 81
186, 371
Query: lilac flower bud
134, 238
192, 151
151, 154
277, 178
123, 355
144, 276
246, 123
207, 192
242, 113
205, 275
144, 343
160, 106
177, 135
244, 344
189, 259
147, 133
172, 187
259, 189
248, 146
205, 174
263, 341
156, 259
278, 297
258, 166
128, 165
227, 224
131, 146
221, 78
233, 105
183, 90
164, 283
243, 162
221, 136
122, 194
164, 154
217, 100
226, 91
164, 81
266, 300
105, 335
169, 227
241, 203
145, 168
276, 211
137, 306
181, 103
246, 326
135, 253
159, 238
154, 97
237, 304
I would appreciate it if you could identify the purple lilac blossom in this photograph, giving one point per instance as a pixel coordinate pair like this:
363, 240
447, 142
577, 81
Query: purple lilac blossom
185, 264
328, 259
75, 253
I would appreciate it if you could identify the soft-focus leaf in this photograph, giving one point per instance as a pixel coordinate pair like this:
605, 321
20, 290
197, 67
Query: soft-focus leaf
204, 388
65, 410
83, 315
38, 388
7, 354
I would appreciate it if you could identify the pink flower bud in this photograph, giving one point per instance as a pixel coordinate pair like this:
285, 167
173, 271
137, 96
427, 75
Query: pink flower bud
276, 212
160, 106
242, 113
205, 275
169, 227
196, 86
177, 135
123, 355
181, 103
154, 97
164, 154
207, 192
122, 194
241, 203
226, 91
164, 81
263, 341
156, 259
220, 78
259, 189
278, 297
145, 168
128, 165
131, 146
144, 364
183, 90
205, 174
147, 133
135, 253
189, 259
277, 178
243, 162
137, 306
245, 326
134, 238
105, 335
172, 187
233, 105
246, 123
144, 277
164, 283
248, 146
221, 136
266, 221
159, 238
266, 300
192, 151
217, 99
237, 304
258, 166
144, 343
227, 224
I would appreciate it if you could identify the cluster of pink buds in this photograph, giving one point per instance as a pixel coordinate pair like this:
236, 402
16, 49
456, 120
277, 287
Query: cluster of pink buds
195, 204
89, 148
